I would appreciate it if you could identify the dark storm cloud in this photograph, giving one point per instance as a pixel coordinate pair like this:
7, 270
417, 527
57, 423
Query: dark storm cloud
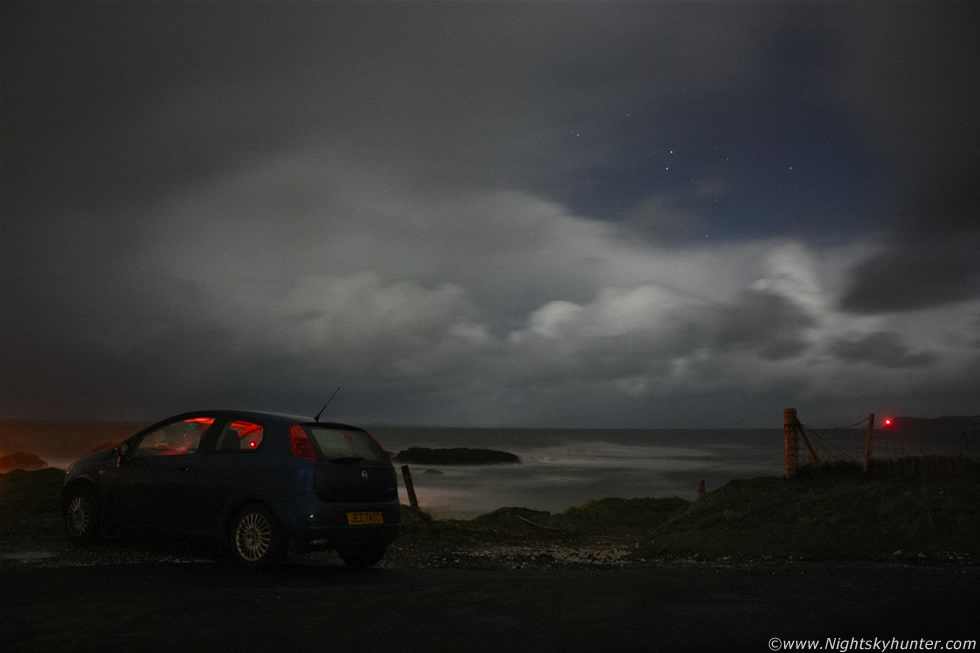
932, 259
768, 324
481, 212
937, 270
884, 348
138, 99
912, 84
578, 101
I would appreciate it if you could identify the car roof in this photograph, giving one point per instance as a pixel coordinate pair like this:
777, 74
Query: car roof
263, 416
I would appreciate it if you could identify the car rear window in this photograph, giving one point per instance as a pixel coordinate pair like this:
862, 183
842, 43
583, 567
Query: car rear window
344, 445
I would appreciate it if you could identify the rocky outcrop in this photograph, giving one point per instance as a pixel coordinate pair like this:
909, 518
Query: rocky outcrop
19, 460
455, 456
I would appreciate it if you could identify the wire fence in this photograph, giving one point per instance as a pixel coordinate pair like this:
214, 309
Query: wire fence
889, 441
848, 444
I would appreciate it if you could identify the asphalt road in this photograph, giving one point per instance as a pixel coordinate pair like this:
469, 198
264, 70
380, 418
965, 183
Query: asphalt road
302, 607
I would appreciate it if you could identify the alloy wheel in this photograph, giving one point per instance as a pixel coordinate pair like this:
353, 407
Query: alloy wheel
253, 536
80, 515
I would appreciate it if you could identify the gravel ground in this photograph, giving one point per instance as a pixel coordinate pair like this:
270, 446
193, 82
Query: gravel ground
40, 541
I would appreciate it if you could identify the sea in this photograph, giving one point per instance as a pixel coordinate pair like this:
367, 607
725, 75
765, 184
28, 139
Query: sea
565, 468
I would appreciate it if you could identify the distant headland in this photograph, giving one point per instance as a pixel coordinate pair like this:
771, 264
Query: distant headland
455, 456
952, 421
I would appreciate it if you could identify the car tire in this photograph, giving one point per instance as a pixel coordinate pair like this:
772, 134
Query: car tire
82, 514
361, 555
256, 537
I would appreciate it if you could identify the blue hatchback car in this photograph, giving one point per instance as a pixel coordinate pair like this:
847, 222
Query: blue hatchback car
261, 482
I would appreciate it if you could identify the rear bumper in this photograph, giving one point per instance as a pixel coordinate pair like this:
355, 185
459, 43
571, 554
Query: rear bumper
325, 526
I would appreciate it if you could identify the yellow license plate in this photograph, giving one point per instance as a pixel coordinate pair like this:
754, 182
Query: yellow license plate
364, 518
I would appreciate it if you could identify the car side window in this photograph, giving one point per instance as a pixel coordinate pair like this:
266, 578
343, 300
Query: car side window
239, 436
174, 439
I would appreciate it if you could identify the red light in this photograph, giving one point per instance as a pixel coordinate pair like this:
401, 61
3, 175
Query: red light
888, 421
300, 443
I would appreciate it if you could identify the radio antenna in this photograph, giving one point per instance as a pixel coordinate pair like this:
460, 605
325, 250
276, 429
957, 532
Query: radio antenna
317, 418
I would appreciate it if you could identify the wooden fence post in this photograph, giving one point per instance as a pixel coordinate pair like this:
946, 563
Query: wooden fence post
814, 456
792, 444
867, 441
409, 487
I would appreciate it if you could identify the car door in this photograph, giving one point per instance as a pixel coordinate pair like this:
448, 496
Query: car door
154, 484
231, 466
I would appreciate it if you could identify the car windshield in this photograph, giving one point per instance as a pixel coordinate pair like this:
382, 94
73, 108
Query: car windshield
344, 445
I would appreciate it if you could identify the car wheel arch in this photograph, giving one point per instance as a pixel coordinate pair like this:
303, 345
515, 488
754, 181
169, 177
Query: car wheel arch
81, 483
234, 508
281, 542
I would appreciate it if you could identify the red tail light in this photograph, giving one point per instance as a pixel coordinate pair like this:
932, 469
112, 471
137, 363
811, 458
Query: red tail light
300, 443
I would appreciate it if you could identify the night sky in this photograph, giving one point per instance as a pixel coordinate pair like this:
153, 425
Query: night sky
616, 214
